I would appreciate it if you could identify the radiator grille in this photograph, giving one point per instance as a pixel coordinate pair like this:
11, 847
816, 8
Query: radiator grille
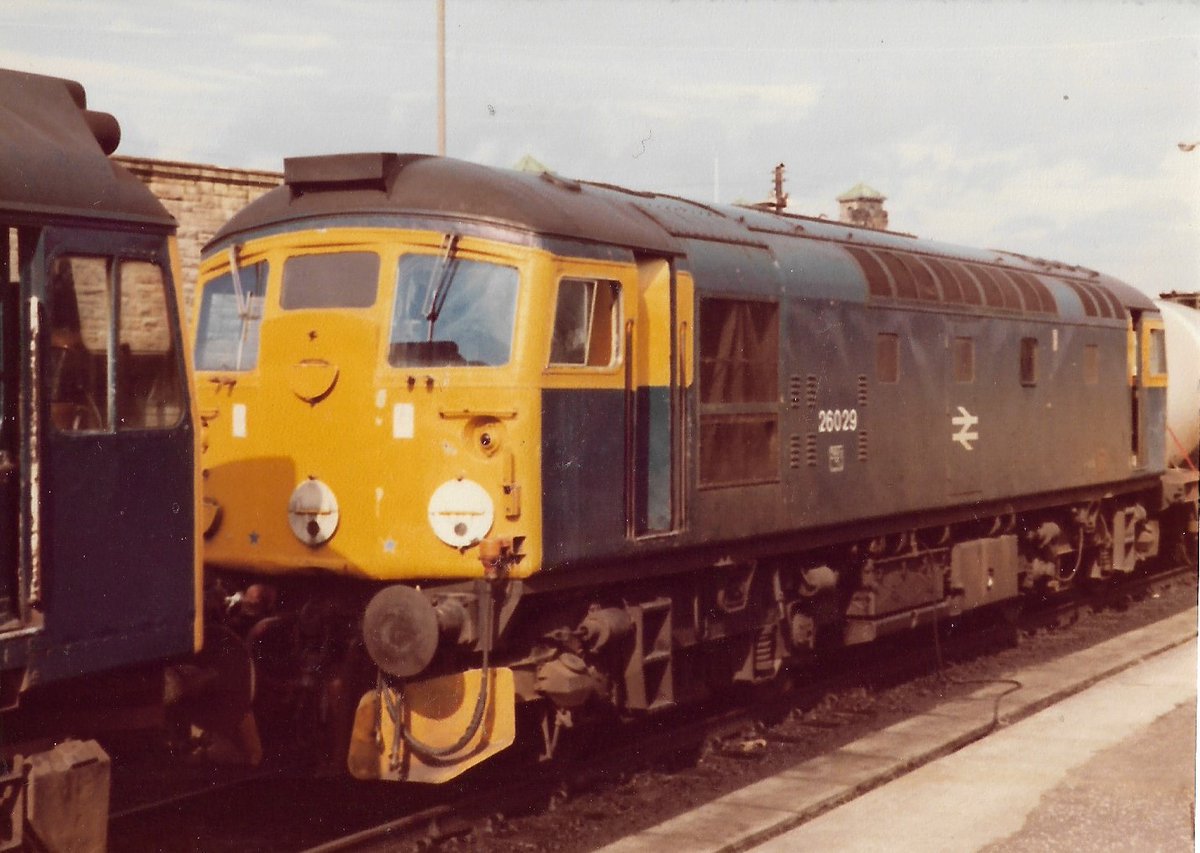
795, 450
796, 391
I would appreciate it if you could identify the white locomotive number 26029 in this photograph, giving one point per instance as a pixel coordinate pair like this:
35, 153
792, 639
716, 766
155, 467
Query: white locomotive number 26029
837, 420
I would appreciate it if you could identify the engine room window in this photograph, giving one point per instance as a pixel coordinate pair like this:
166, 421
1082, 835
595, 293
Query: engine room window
739, 351
964, 359
149, 393
335, 280
1029, 361
738, 450
230, 316
739, 392
80, 301
1091, 364
452, 312
887, 358
586, 323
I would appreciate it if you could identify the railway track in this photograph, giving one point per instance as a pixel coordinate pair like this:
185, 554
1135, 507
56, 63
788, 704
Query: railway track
832, 700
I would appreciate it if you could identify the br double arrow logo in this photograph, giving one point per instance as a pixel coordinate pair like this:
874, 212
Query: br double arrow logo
966, 423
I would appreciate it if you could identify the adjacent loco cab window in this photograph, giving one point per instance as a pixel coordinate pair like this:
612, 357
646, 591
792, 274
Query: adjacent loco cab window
149, 387
80, 297
452, 311
586, 323
335, 280
231, 307
739, 392
87, 381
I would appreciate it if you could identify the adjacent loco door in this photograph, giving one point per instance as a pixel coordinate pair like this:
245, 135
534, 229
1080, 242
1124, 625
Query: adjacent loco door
657, 379
115, 479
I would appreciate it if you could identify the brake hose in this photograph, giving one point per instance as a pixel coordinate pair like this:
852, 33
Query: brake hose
395, 704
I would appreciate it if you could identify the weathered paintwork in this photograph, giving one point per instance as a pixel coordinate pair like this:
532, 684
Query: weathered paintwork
763, 391
582, 448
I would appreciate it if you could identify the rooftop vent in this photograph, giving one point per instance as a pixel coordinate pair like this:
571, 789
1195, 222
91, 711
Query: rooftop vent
341, 171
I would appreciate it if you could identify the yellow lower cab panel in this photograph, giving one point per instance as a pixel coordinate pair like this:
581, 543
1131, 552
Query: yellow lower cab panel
436, 713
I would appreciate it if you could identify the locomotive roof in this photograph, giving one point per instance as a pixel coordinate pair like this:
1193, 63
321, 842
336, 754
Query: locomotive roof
53, 156
365, 186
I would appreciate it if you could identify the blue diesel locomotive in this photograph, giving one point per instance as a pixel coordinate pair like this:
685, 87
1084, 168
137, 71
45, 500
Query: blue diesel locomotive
99, 564
479, 441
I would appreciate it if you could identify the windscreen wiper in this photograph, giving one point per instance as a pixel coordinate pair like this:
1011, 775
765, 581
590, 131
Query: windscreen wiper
439, 281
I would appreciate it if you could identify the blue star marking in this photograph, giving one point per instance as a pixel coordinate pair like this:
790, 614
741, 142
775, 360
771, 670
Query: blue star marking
253, 537
389, 546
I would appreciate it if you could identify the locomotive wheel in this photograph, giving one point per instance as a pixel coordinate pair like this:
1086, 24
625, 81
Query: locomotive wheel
212, 695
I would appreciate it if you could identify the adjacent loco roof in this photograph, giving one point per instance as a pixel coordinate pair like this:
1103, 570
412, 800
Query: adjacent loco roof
358, 186
53, 156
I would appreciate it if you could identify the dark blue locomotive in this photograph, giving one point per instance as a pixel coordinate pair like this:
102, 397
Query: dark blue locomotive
701, 443
99, 579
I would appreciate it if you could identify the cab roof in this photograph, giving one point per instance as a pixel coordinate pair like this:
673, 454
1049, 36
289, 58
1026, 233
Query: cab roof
54, 157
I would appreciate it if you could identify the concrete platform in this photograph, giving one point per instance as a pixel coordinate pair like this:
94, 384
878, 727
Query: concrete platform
1063, 759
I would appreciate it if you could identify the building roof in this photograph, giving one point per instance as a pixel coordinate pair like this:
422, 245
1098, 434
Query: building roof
862, 192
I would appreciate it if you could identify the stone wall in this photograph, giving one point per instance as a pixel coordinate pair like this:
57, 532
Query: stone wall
201, 198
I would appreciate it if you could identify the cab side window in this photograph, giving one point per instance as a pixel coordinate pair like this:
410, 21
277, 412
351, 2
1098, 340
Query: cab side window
586, 323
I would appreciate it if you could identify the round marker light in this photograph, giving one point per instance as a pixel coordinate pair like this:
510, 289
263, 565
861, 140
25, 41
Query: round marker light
313, 512
460, 512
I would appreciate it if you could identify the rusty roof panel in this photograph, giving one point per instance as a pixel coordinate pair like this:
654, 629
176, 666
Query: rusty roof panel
693, 220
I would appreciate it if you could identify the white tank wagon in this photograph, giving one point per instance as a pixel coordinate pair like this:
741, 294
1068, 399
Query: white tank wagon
1182, 324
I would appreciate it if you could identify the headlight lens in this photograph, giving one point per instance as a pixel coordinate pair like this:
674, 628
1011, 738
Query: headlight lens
313, 512
460, 512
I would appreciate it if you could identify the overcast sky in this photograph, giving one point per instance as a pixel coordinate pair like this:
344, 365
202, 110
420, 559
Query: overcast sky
1048, 128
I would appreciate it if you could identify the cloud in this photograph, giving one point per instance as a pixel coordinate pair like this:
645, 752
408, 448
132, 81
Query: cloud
795, 98
122, 77
285, 41
127, 27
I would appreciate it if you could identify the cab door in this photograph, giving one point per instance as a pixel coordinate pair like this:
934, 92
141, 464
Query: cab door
656, 392
1147, 389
